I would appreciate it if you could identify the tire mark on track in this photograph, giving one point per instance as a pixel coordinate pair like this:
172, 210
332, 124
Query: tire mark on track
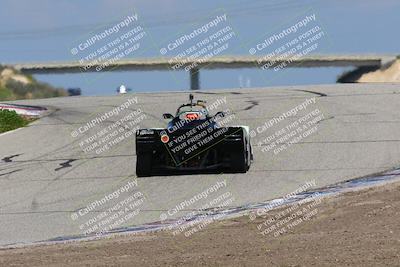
253, 104
313, 92
65, 164
9, 158
8, 173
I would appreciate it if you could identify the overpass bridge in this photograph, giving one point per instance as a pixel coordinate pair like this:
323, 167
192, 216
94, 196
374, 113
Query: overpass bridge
361, 62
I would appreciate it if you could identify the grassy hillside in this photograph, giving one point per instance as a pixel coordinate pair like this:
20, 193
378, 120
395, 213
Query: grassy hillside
15, 85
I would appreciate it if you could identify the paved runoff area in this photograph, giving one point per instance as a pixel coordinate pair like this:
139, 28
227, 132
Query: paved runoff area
70, 172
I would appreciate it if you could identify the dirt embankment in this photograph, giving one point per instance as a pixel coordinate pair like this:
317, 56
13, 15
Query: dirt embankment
15, 85
355, 229
390, 74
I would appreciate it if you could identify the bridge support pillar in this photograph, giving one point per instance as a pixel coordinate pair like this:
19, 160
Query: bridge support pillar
194, 79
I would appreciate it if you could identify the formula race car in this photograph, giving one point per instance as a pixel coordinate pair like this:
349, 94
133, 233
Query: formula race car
193, 142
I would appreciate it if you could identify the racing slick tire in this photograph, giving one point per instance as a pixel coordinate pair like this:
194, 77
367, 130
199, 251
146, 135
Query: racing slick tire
239, 161
143, 164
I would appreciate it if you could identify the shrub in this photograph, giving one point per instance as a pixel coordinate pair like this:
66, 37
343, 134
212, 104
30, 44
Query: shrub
6, 94
10, 120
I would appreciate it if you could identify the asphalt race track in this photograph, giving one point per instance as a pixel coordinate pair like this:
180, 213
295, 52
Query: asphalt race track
45, 177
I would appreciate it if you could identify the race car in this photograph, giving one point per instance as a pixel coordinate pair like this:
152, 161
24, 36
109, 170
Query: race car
193, 142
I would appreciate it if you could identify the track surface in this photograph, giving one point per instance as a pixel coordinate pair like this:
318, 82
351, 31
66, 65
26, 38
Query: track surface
45, 176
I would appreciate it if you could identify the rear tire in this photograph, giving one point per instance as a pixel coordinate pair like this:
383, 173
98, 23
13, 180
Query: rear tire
238, 162
143, 164
239, 159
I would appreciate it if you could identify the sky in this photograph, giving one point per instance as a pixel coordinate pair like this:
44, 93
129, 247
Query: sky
47, 30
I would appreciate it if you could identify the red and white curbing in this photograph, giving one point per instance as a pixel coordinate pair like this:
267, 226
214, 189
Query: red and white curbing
24, 110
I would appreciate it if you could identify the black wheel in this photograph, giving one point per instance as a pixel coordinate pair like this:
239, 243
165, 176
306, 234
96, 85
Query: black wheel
143, 164
239, 160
